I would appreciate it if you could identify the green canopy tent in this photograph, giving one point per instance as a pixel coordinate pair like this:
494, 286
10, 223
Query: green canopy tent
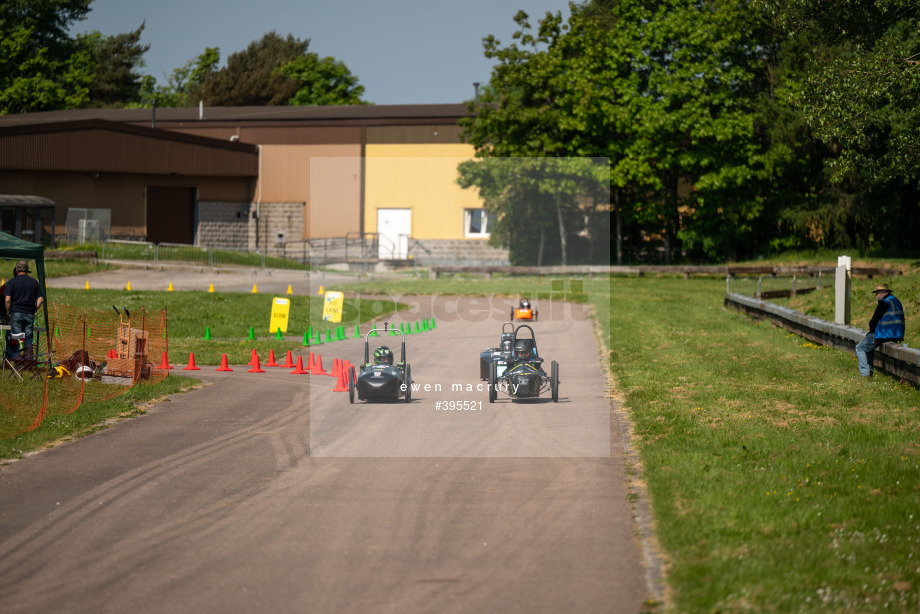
12, 248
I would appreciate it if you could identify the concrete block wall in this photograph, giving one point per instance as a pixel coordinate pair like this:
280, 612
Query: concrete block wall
459, 252
276, 220
223, 224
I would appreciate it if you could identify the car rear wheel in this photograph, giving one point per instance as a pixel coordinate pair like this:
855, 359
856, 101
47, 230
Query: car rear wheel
554, 381
493, 370
408, 384
351, 385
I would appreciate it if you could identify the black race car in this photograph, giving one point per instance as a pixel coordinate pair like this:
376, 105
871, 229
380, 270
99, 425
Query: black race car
500, 355
525, 377
381, 380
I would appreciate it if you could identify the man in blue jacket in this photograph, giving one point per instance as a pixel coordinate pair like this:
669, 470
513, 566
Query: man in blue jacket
887, 324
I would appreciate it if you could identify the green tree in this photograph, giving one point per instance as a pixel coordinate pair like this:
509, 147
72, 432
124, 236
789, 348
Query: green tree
115, 63
323, 81
532, 150
861, 94
185, 84
41, 66
252, 77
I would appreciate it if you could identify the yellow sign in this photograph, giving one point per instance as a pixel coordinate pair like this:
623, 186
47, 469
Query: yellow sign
332, 306
281, 307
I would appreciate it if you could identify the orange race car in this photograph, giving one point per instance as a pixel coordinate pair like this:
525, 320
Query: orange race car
524, 312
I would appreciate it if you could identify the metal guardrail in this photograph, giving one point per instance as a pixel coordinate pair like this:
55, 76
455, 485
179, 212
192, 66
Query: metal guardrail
898, 359
642, 270
772, 286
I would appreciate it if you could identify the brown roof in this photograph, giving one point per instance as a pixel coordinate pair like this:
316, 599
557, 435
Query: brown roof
49, 125
344, 115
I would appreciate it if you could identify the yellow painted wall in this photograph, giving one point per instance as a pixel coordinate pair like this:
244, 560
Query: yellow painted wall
423, 178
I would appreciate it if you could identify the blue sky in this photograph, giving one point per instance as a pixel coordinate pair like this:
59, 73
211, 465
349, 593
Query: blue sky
403, 51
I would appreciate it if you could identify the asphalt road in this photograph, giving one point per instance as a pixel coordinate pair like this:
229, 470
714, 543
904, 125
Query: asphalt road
270, 492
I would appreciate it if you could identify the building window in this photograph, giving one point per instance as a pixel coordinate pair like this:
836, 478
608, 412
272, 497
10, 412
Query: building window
476, 223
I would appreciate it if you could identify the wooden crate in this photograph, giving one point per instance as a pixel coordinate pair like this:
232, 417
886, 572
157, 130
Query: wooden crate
124, 367
132, 342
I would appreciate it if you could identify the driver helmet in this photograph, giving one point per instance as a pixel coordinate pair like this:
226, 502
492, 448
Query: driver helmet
383, 356
505, 345
523, 349
525, 304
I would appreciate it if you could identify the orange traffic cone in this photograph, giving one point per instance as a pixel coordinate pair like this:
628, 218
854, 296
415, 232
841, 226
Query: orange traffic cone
271, 359
318, 367
300, 370
336, 367
254, 358
341, 384
311, 363
164, 362
223, 364
191, 363
288, 361
256, 368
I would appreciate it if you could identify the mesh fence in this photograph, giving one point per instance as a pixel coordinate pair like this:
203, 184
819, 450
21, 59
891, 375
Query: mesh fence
90, 355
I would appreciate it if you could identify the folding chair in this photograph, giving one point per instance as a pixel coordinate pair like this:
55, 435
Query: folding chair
25, 361
13, 355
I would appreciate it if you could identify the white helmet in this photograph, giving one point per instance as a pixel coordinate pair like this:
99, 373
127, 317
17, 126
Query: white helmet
84, 372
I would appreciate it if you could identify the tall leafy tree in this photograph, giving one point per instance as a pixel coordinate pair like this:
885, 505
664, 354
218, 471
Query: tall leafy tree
525, 112
115, 64
861, 95
185, 84
41, 66
323, 81
252, 76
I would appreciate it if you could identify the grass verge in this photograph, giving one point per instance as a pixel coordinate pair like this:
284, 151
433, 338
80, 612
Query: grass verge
227, 317
91, 417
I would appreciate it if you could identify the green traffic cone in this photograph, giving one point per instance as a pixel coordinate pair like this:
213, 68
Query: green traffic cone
417, 327
433, 325
207, 333
278, 334
317, 338
374, 333
357, 330
425, 326
309, 331
252, 334
329, 336
306, 339
341, 333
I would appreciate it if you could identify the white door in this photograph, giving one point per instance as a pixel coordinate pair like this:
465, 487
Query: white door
393, 228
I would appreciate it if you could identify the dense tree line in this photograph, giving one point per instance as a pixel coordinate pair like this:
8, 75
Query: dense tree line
730, 129
44, 68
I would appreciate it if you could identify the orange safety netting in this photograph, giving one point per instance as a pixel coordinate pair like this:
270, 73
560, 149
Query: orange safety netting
90, 355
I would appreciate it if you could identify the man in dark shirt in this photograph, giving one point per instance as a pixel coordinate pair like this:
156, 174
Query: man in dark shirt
887, 324
23, 296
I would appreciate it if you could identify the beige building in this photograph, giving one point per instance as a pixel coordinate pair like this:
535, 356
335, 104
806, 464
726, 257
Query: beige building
259, 177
